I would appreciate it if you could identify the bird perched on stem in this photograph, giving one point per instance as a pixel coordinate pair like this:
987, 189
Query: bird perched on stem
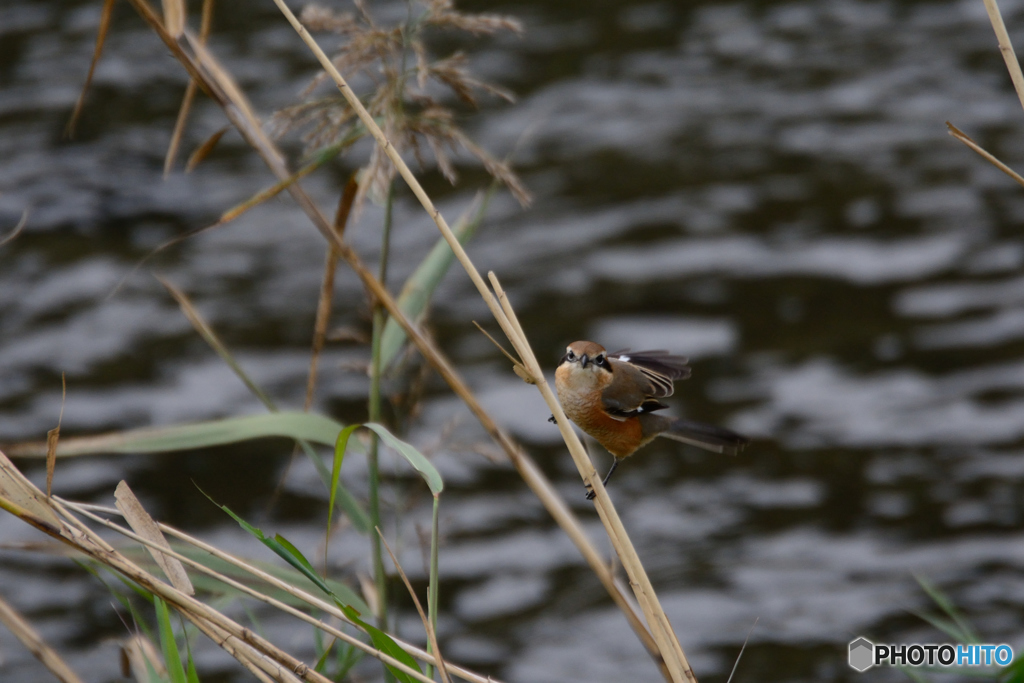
613, 398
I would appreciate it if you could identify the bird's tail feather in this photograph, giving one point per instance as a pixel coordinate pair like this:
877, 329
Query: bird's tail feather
704, 436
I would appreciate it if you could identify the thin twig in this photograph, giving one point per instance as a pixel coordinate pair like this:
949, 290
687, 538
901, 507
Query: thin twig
431, 634
987, 156
35, 644
17, 229
211, 338
101, 37
740, 655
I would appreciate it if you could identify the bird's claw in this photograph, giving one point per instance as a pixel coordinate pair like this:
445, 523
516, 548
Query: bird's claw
552, 420
590, 492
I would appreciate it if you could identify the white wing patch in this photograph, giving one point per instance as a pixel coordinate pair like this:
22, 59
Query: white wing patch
624, 359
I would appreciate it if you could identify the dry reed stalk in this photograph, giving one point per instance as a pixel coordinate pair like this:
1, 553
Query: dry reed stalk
101, 37
329, 608
323, 308
218, 85
144, 525
983, 153
22, 499
1006, 48
190, 93
35, 644
442, 668
657, 621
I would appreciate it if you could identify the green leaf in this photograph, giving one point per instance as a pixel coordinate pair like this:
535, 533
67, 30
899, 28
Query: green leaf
303, 427
947, 606
944, 625
322, 662
295, 425
339, 455
415, 458
383, 642
419, 288
1015, 672
191, 674
293, 556
172, 658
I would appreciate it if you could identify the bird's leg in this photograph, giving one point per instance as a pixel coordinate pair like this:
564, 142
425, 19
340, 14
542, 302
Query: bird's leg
615, 463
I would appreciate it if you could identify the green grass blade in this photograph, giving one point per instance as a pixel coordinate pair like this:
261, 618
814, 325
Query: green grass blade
947, 626
947, 606
293, 556
280, 545
339, 456
419, 288
191, 675
1015, 672
295, 425
383, 642
172, 658
433, 589
415, 458
322, 662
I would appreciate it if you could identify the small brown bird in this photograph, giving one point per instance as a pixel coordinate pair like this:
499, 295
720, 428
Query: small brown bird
613, 397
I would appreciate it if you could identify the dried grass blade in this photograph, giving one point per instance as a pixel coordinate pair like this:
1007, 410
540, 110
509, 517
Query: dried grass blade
419, 608
21, 498
174, 17
204, 150
270, 579
17, 229
53, 436
144, 526
983, 153
35, 644
82, 538
101, 37
211, 338
190, 93
323, 308
1006, 48
517, 367
139, 656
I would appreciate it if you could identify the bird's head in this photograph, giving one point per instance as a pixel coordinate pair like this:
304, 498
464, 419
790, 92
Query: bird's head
586, 356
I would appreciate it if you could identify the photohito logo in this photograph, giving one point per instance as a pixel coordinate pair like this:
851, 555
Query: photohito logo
864, 654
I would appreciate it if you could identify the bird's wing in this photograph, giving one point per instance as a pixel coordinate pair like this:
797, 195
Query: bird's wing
659, 367
631, 392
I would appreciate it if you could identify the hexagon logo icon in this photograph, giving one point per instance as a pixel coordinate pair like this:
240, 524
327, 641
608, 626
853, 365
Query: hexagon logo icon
862, 654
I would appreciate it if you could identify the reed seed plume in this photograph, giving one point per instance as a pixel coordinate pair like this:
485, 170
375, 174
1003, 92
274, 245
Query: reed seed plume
406, 93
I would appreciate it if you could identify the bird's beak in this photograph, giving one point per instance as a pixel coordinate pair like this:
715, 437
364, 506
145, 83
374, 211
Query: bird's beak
584, 359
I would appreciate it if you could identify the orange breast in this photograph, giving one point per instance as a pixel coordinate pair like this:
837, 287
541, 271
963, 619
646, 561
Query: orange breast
620, 438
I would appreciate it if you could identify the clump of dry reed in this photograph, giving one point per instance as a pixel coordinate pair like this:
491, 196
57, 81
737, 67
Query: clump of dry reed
404, 97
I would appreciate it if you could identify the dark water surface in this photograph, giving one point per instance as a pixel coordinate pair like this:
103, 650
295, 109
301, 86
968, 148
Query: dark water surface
767, 187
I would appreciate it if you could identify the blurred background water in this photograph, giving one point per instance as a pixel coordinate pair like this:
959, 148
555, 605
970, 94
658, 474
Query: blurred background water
767, 187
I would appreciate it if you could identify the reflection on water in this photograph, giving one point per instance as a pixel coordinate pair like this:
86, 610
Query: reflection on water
766, 187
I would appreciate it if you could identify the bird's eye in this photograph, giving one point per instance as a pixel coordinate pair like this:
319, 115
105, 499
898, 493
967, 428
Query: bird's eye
570, 355
599, 359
